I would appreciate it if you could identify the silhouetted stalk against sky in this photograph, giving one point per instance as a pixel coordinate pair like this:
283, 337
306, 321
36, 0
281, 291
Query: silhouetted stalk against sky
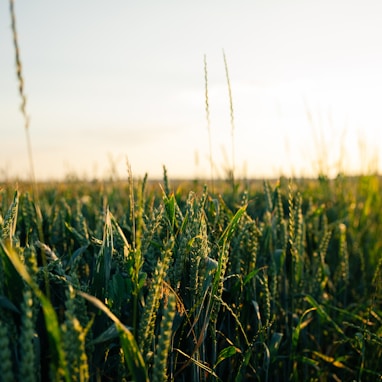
208, 121
232, 116
21, 92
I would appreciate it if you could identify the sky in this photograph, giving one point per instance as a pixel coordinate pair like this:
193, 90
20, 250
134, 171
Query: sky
116, 82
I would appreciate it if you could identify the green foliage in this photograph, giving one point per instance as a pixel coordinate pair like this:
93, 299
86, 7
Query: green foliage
129, 282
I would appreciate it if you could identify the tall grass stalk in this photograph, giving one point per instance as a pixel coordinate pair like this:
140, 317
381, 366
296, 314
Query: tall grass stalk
23, 109
23, 105
207, 105
232, 119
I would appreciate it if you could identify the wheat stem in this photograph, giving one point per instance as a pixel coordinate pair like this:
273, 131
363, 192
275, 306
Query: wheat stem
21, 91
208, 121
232, 119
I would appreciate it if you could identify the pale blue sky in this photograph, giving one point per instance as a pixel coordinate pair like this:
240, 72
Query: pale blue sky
107, 80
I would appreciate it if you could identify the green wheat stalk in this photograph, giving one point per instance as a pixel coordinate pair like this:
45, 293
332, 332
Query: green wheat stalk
344, 260
9, 225
149, 315
323, 271
58, 366
136, 217
219, 275
28, 365
281, 224
5, 354
74, 341
164, 341
268, 196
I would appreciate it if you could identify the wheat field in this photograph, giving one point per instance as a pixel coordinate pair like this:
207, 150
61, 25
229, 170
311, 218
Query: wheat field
205, 280
132, 281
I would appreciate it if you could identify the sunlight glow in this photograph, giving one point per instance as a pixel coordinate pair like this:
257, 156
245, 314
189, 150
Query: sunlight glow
121, 82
